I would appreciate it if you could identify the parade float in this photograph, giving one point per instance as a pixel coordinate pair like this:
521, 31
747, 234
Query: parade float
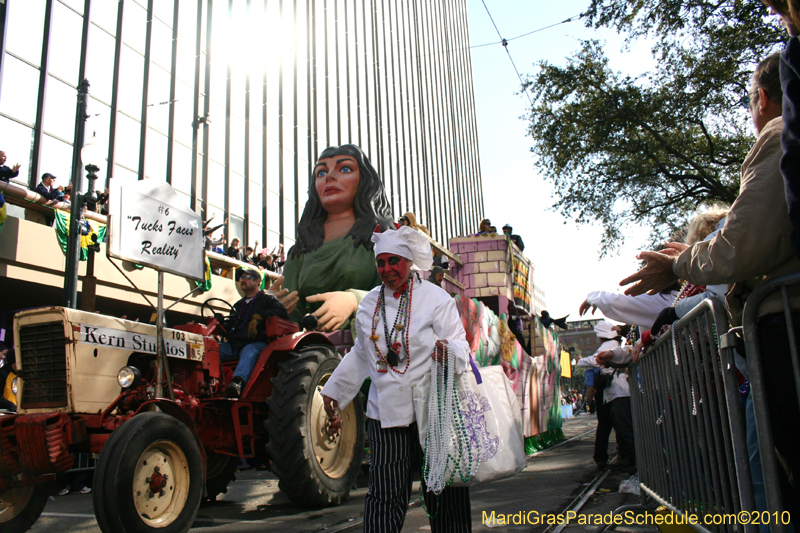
493, 283
150, 399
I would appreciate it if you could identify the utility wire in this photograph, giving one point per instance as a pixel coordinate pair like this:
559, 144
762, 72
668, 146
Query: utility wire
505, 45
504, 42
492, 19
574, 17
565, 21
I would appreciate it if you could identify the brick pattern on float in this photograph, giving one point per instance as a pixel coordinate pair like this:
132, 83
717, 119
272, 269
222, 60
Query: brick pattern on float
486, 270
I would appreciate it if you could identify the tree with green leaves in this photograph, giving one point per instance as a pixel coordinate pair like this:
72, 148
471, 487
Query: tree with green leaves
653, 149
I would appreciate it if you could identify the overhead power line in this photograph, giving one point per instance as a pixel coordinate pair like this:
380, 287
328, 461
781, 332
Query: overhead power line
574, 17
505, 42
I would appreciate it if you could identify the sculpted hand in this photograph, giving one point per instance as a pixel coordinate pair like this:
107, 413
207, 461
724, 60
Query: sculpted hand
654, 277
439, 354
288, 299
337, 308
332, 410
585, 306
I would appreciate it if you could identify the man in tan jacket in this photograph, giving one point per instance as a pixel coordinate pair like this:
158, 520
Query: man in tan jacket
752, 247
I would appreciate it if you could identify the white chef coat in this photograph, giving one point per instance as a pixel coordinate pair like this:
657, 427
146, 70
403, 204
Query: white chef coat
639, 310
434, 316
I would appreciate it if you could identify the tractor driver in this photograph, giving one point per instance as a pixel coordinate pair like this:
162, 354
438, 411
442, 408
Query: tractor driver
246, 330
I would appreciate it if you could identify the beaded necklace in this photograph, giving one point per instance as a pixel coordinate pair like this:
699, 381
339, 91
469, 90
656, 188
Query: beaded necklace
633, 336
400, 330
450, 450
688, 289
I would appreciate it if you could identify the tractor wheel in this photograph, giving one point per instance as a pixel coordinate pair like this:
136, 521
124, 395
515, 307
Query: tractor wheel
21, 507
314, 469
220, 471
149, 477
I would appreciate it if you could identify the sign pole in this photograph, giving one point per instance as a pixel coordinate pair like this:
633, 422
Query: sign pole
160, 337
162, 364
76, 204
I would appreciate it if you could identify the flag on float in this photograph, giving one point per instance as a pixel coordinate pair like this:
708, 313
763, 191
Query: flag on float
61, 226
206, 283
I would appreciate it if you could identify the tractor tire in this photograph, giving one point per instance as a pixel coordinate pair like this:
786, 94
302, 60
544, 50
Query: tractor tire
220, 471
20, 508
313, 468
148, 450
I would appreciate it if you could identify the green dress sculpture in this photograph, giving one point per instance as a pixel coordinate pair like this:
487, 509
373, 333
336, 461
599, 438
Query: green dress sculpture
331, 266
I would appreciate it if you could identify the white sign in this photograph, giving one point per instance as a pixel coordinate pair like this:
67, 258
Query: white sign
174, 341
152, 225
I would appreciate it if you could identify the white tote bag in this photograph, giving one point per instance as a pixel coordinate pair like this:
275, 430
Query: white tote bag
491, 416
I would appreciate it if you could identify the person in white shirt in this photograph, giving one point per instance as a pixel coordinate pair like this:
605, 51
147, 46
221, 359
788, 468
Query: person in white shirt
421, 323
616, 395
639, 311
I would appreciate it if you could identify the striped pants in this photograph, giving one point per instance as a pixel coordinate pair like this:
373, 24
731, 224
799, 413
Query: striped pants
395, 454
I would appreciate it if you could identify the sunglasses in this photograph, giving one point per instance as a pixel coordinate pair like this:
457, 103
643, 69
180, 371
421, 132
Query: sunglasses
247, 276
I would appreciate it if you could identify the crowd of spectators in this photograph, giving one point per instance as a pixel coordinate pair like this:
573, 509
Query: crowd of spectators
571, 397
261, 258
51, 192
725, 255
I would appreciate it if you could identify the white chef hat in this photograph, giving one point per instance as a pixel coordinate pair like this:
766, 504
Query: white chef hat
603, 330
405, 242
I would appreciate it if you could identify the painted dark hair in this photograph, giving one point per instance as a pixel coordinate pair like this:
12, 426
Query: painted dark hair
370, 206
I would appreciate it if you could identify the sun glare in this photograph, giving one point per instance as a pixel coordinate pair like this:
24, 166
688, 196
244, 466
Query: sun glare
253, 40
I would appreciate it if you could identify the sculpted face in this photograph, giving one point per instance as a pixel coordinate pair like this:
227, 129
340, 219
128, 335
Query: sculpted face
393, 270
336, 181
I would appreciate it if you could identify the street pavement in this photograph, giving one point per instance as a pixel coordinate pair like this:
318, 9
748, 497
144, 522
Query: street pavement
551, 483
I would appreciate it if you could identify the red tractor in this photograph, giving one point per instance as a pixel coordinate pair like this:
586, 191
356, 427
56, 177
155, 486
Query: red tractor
88, 382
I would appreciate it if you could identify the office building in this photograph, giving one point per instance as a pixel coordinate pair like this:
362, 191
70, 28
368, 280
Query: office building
231, 101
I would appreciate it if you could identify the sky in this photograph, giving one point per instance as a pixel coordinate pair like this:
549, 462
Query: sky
565, 255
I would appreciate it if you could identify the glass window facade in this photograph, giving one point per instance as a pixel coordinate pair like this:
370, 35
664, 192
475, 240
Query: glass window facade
232, 100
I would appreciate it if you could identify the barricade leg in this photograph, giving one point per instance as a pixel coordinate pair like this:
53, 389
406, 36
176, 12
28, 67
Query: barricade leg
782, 405
689, 424
774, 367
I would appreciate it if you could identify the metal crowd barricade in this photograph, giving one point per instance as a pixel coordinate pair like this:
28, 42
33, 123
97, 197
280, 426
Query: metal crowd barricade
689, 423
759, 385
